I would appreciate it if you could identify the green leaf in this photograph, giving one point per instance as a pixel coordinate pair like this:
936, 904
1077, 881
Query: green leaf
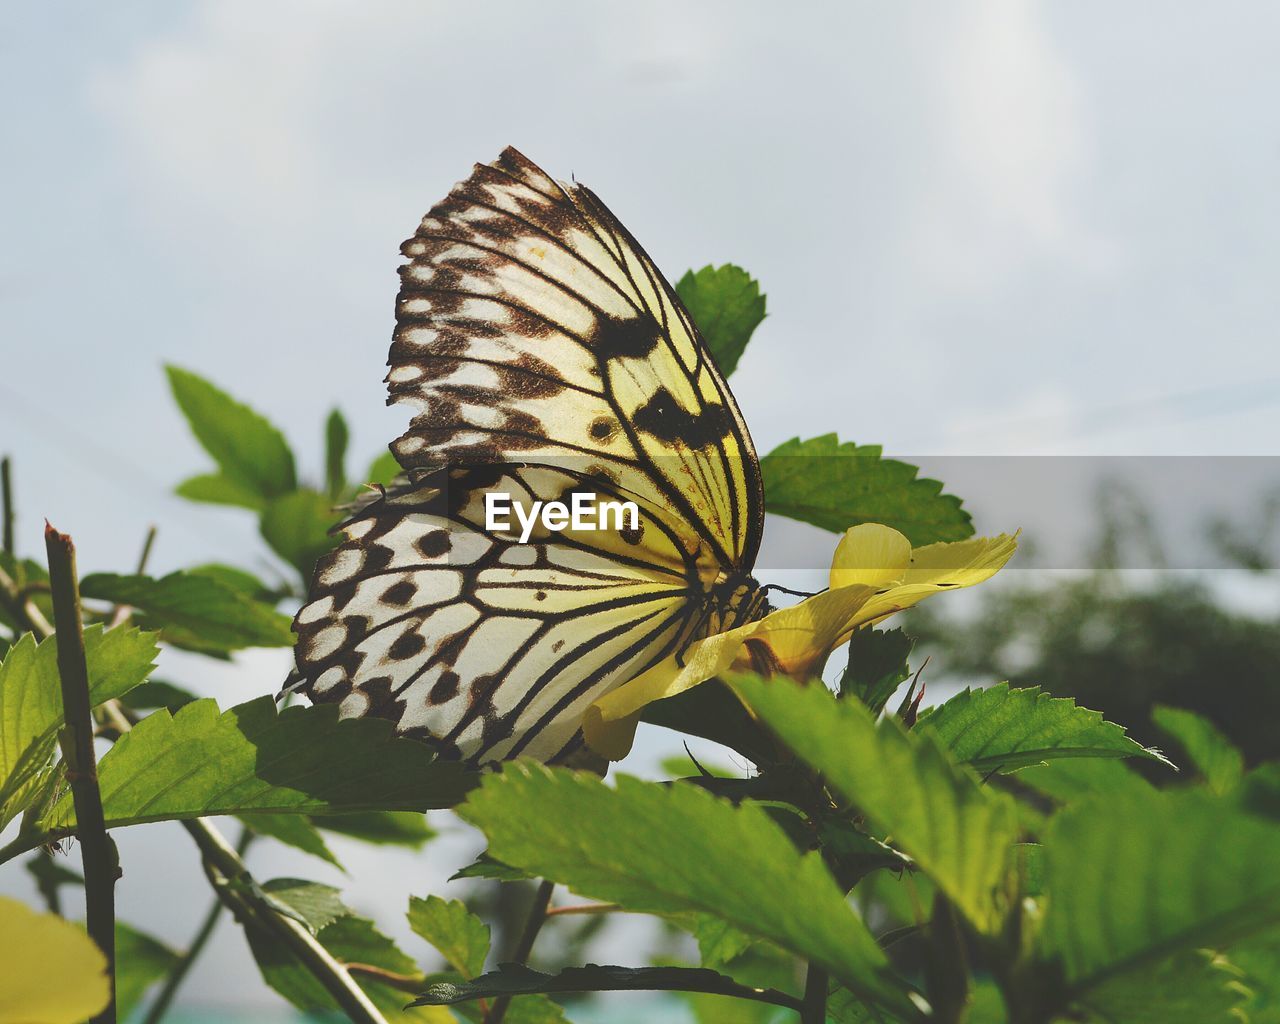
1132, 880
217, 489
1071, 781
302, 760
456, 933
297, 528
877, 665
314, 904
517, 979
670, 849
237, 579
1194, 986
1000, 729
960, 832
835, 486
336, 436
292, 830
248, 449
156, 694
141, 961
31, 701
389, 828
194, 611
726, 304
1258, 959
719, 942
714, 713
1219, 762
485, 866
350, 939
383, 470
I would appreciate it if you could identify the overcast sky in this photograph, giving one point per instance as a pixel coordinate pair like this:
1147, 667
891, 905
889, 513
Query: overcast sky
1004, 227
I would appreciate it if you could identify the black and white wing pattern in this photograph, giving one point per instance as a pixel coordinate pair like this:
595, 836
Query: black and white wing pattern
544, 354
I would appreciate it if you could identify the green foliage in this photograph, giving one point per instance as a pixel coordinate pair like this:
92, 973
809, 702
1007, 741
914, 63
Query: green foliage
675, 849
336, 438
877, 665
293, 830
1209, 752
253, 759
835, 486
297, 528
382, 828
959, 832
1196, 890
383, 470
252, 455
142, 961
726, 304
194, 610
999, 729
31, 702
456, 933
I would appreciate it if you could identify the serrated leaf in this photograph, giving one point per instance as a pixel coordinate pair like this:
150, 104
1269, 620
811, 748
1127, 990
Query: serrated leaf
247, 448
389, 828
877, 665
141, 961
336, 436
157, 694
349, 939
1001, 729
217, 489
297, 528
455, 933
314, 904
31, 700
726, 304
1199, 862
1217, 760
835, 486
959, 832
485, 866
193, 611
253, 759
293, 830
673, 849
1191, 987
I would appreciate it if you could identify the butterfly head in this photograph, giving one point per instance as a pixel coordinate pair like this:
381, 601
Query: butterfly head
733, 601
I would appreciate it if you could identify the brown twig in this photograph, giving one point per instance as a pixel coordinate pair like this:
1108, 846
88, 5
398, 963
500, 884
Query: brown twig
411, 983
97, 849
520, 955
584, 908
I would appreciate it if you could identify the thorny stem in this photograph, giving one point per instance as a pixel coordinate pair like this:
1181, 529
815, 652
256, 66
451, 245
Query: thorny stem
520, 955
180, 970
100, 860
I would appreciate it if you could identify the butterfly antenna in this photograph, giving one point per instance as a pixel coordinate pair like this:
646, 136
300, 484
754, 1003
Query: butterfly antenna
794, 593
701, 771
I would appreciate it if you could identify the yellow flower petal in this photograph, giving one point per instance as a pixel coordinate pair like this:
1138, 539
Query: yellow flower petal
870, 554
53, 972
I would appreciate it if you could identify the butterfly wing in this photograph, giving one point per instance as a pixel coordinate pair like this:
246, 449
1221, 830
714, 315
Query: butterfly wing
538, 340
532, 327
488, 647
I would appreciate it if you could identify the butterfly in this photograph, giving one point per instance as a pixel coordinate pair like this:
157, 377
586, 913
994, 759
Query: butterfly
545, 356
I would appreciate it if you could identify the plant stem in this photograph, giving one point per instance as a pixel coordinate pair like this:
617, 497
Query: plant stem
244, 899
178, 974
29, 617
122, 612
520, 955
813, 1008
584, 908
6, 488
97, 849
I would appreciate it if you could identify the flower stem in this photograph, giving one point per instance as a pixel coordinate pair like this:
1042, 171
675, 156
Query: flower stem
813, 1009
100, 860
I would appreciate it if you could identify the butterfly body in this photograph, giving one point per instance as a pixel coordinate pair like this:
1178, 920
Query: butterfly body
544, 355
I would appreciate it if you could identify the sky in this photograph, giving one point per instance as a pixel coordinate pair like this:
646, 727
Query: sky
984, 229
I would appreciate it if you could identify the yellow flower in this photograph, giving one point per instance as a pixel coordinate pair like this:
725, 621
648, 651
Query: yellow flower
875, 572
53, 972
